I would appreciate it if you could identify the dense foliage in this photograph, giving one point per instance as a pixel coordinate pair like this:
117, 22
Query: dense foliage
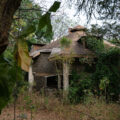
104, 79
10, 74
79, 86
108, 66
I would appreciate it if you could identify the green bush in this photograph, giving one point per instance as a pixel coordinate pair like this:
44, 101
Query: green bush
10, 74
79, 86
108, 66
104, 78
96, 45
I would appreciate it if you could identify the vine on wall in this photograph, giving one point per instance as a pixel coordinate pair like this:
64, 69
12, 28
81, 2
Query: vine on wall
107, 66
104, 80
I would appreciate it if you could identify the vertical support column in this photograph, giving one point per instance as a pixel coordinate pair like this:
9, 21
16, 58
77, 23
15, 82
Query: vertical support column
65, 79
45, 86
45, 82
59, 81
30, 79
58, 74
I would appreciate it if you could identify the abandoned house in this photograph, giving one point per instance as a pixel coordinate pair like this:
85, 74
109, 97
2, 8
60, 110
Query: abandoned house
52, 66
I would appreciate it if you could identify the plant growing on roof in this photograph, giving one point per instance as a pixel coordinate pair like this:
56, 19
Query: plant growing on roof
65, 42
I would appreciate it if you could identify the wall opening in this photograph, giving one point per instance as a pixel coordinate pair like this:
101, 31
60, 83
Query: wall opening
52, 82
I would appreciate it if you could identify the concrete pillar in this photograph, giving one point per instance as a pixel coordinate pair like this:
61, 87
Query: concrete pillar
65, 79
59, 81
30, 79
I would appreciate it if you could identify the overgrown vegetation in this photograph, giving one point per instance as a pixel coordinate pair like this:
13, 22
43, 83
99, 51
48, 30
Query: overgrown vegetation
51, 108
107, 66
65, 42
10, 75
79, 87
101, 79
104, 80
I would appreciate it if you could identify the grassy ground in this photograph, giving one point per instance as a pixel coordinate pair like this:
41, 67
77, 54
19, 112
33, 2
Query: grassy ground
51, 108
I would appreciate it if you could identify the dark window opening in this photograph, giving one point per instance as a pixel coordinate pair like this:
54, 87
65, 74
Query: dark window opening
52, 82
79, 41
82, 41
77, 60
74, 30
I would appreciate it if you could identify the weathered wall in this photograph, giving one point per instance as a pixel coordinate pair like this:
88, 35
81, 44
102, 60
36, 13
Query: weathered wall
39, 83
43, 66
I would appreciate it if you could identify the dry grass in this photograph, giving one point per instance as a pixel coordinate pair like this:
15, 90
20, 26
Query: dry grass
51, 108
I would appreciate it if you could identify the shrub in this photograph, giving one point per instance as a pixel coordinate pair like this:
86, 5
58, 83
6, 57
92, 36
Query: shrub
104, 79
107, 66
79, 87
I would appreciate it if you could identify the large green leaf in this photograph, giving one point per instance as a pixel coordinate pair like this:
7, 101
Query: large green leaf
55, 6
45, 21
44, 26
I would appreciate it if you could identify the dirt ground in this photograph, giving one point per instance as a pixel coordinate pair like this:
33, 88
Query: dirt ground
8, 114
79, 112
51, 108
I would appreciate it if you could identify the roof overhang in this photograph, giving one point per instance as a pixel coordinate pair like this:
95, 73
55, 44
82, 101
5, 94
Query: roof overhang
37, 53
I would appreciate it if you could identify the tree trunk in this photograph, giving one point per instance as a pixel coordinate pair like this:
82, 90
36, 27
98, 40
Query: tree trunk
7, 10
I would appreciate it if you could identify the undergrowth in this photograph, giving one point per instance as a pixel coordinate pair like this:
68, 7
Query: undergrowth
102, 78
51, 108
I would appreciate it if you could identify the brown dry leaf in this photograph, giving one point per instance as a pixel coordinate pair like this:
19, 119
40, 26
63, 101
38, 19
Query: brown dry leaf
24, 60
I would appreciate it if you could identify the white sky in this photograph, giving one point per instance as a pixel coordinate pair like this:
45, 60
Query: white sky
67, 17
70, 11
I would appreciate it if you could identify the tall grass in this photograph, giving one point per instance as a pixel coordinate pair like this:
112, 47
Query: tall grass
51, 107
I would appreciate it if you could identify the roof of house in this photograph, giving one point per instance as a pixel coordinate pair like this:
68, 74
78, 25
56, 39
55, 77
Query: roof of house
108, 44
75, 50
74, 34
77, 28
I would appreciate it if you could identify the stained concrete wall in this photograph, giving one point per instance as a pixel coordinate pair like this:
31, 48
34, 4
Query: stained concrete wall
42, 67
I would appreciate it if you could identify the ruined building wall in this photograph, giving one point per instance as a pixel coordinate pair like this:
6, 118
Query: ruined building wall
42, 68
